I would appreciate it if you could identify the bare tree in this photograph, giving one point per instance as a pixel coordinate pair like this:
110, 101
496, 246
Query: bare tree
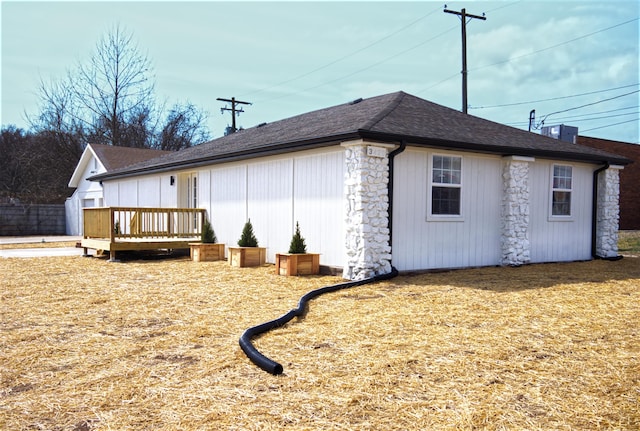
114, 88
36, 168
58, 110
107, 100
14, 147
184, 127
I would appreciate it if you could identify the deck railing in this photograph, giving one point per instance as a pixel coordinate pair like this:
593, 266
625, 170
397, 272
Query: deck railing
121, 223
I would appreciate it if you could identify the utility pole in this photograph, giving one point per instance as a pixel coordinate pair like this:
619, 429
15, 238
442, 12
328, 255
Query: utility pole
233, 110
463, 19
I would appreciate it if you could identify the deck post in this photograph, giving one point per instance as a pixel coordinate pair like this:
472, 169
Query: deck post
112, 228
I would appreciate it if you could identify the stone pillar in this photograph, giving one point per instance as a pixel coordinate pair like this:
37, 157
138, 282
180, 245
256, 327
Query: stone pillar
516, 248
366, 210
608, 212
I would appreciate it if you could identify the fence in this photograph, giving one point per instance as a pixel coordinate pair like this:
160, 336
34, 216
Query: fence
25, 219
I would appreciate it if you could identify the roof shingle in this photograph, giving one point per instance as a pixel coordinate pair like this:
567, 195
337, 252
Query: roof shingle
390, 117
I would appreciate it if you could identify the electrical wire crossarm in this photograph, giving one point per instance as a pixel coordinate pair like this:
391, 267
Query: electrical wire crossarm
233, 110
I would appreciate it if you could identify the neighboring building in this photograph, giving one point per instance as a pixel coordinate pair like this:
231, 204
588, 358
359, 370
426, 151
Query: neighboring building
391, 180
629, 178
97, 159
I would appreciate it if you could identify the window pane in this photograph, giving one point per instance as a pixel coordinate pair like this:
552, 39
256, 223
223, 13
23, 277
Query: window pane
561, 204
445, 200
562, 177
437, 162
446, 170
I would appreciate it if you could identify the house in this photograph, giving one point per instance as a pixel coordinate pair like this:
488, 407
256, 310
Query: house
629, 178
392, 180
97, 159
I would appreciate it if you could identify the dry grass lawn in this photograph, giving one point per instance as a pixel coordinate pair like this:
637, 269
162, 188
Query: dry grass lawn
153, 345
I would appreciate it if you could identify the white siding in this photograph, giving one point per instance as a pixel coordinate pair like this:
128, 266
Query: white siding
88, 193
319, 205
154, 191
270, 204
111, 192
227, 204
274, 193
168, 193
149, 192
128, 193
472, 241
560, 239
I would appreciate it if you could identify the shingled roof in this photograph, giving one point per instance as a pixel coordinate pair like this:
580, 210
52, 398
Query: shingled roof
115, 157
391, 117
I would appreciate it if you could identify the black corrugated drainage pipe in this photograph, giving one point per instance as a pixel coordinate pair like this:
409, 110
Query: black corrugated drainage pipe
272, 366
594, 215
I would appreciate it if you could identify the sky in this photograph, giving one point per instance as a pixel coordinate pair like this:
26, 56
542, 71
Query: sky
573, 62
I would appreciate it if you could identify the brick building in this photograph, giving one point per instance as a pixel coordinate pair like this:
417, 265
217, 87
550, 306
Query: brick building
629, 178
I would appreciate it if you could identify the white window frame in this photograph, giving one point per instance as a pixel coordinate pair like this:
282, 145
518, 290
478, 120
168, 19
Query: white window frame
431, 185
553, 189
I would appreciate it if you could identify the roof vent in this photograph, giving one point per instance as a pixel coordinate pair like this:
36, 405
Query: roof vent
262, 124
355, 102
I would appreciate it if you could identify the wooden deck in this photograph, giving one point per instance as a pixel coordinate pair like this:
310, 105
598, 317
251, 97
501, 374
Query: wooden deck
125, 228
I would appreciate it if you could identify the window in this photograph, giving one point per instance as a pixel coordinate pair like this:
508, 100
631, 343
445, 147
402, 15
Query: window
561, 190
446, 176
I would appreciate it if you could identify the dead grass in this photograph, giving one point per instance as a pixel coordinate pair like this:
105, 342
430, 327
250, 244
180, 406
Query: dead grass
153, 345
629, 242
56, 244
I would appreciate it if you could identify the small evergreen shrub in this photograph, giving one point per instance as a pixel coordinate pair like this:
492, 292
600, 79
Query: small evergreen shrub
248, 239
297, 245
207, 236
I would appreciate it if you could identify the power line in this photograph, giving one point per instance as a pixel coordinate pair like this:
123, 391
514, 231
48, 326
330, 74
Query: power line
589, 117
584, 106
504, 6
579, 120
374, 64
357, 51
437, 83
555, 46
531, 53
609, 125
553, 98
585, 117
364, 68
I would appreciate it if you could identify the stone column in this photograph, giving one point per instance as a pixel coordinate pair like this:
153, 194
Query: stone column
608, 212
366, 210
516, 248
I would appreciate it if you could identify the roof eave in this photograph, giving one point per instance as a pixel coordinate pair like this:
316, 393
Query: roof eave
271, 150
497, 149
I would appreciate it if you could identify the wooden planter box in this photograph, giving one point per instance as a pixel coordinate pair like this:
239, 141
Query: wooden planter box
247, 256
297, 264
206, 252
